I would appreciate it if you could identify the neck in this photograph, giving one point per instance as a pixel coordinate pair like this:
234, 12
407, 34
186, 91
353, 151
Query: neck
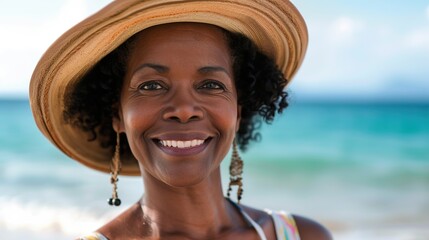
199, 211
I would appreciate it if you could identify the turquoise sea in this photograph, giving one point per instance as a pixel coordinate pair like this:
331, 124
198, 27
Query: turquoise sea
362, 169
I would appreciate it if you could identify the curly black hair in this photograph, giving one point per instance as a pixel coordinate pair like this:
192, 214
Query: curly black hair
260, 88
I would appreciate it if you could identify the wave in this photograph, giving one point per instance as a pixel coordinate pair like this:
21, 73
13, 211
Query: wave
41, 219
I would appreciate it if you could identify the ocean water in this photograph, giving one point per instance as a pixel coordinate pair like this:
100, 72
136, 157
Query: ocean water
360, 169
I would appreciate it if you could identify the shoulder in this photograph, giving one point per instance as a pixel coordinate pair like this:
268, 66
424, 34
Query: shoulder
263, 218
309, 229
121, 226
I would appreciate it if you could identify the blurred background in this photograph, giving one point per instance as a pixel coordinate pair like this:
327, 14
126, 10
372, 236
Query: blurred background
351, 151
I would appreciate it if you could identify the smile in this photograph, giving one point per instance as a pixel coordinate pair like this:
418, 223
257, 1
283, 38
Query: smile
181, 144
184, 147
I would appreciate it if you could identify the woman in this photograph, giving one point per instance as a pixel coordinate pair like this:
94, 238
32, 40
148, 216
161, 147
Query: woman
166, 87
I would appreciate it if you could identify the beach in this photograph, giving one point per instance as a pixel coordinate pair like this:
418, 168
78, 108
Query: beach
361, 169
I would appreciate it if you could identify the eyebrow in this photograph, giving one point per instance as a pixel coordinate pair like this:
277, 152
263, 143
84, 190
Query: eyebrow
209, 69
157, 67
163, 69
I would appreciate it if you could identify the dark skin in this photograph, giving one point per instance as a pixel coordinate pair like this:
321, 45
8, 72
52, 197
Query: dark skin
180, 115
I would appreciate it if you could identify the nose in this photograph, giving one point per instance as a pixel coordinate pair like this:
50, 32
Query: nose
183, 108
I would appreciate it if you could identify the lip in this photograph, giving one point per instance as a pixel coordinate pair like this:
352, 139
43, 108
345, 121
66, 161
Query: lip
182, 137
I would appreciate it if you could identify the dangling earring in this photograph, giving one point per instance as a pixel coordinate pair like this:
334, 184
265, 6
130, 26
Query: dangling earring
115, 168
235, 171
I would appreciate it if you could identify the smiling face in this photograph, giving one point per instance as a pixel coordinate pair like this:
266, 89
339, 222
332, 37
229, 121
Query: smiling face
178, 104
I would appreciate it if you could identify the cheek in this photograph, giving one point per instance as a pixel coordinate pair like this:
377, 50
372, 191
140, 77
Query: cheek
136, 118
226, 116
131, 119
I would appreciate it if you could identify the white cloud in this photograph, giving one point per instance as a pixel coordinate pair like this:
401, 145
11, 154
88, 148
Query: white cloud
335, 58
418, 39
72, 12
30, 34
346, 56
27, 39
344, 29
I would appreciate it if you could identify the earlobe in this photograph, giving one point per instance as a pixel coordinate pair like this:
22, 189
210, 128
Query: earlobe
237, 126
117, 122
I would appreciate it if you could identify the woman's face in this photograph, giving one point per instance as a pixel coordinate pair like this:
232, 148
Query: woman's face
178, 104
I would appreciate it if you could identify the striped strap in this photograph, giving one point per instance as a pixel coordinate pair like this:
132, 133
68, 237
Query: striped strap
254, 224
93, 236
285, 226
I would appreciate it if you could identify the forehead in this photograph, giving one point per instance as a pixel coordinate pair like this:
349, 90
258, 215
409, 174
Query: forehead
198, 31
178, 34
183, 44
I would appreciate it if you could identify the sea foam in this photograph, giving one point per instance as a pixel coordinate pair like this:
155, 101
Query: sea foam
32, 217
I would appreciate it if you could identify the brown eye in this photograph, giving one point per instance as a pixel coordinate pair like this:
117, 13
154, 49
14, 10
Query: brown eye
215, 85
150, 86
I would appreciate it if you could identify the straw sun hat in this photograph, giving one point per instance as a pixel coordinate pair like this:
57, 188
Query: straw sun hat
275, 26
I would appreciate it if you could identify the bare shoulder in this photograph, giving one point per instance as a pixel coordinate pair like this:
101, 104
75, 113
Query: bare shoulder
263, 218
121, 226
310, 229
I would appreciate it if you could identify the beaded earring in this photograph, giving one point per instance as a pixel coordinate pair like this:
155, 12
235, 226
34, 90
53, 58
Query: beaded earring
235, 171
115, 168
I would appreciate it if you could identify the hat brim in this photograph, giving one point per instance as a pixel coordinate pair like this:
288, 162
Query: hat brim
275, 26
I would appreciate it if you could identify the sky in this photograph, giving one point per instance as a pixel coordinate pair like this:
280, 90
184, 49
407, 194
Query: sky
358, 50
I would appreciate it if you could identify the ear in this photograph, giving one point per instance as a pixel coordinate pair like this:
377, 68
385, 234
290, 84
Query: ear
117, 122
237, 126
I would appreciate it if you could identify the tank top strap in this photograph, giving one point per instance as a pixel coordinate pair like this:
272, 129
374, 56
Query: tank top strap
93, 236
285, 226
250, 221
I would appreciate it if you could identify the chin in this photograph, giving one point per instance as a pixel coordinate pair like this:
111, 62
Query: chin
184, 183
180, 175
186, 178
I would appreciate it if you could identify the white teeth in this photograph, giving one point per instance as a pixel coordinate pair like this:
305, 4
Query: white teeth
181, 144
